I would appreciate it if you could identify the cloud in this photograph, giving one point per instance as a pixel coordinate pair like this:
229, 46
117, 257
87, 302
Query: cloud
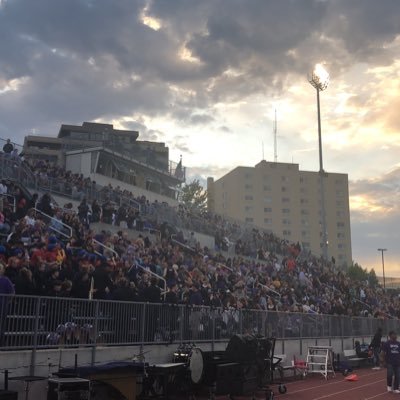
144, 132
191, 73
201, 119
375, 214
181, 143
109, 64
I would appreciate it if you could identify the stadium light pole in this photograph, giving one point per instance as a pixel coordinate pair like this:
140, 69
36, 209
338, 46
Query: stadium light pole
383, 267
319, 79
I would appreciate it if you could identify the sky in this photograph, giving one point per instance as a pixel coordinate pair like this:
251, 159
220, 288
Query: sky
206, 76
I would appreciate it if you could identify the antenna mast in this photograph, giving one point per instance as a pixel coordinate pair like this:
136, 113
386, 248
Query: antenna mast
275, 139
262, 146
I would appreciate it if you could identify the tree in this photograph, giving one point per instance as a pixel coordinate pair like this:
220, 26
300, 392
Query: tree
358, 273
194, 197
373, 280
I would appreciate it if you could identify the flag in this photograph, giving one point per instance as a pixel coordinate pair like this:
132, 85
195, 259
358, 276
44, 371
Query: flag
179, 170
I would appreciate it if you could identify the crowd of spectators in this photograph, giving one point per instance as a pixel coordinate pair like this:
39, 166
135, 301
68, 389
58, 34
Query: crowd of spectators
265, 272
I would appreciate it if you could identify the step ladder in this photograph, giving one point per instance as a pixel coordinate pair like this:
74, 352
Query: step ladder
320, 361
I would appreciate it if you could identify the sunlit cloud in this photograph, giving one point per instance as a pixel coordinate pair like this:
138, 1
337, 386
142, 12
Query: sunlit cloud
12, 85
150, 21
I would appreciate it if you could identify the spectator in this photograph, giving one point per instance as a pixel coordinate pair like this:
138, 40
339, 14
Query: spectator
392, 357
8, 147
376, 345
6, 288
152, 293
3, 187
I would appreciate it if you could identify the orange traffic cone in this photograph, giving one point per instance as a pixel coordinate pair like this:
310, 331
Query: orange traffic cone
352, 378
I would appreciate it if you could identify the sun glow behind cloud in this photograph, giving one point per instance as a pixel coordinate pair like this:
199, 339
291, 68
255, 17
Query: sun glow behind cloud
150, 21
12, 85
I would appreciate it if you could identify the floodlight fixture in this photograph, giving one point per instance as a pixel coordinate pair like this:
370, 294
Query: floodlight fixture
319, 77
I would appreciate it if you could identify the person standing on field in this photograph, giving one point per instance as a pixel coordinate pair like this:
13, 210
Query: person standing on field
392, 356
375, 346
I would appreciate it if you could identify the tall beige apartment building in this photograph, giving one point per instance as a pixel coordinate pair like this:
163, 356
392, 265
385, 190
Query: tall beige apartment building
280, 198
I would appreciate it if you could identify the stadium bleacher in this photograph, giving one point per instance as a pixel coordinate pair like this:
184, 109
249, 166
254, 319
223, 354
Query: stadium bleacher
52, 250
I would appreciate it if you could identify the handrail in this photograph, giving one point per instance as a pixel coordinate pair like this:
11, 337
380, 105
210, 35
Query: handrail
14, 201
164, 293
270, 290
225, 266
184, 245
116, 255
49, 187
153, 231
64, 225
359, 301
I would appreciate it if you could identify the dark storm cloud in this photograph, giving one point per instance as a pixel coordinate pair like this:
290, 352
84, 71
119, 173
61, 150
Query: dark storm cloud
201, 119
144, 132
84, 60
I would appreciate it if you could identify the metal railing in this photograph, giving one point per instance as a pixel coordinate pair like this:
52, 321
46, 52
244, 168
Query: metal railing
160, 278
20, 172
102, 250
55, 224
44, 322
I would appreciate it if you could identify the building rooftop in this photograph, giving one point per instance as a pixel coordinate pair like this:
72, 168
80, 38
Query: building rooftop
94, 127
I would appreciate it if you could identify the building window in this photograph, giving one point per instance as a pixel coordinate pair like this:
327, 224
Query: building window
285, 178
305, 233
285, 200
267, 209
340, 224
285, 210
268, 200
248, 208
268, 221
339, 203
339, 193
304, 212
247, 175
304, 222
287, 232
248, 197
303, 201
266, 178
249, 220
338, 181
340, 214
248, 187
341, 235
306, 245
341, 246
284, 189
286, 221
267, 188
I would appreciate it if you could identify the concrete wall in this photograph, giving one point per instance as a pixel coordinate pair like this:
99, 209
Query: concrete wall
205, 240
137, 191
79, 163
48, 361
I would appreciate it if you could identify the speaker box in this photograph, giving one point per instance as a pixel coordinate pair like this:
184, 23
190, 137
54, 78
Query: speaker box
68, 389
8, 395
245, 387
242, 349
226, 376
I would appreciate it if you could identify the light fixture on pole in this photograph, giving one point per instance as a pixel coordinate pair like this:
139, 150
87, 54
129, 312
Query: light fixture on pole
319, 79
383, 266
